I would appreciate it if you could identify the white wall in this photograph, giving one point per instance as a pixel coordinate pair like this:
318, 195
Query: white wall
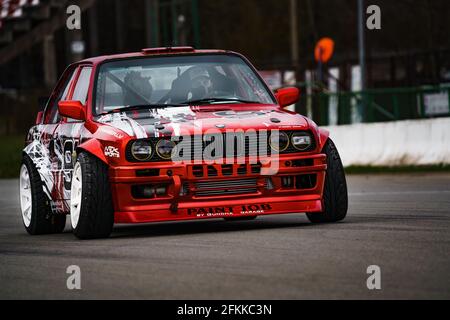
411, 142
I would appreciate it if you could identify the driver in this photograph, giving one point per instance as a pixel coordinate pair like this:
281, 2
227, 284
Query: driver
201, 83
138, 89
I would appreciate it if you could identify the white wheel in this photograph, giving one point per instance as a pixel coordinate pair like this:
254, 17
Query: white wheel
34, 204
91, 207
76, 195
26, 201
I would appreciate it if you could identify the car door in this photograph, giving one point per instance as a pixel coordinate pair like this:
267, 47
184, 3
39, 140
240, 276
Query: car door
50, 162
68, 133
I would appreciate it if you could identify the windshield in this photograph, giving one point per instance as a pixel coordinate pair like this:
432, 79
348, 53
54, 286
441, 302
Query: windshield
204, 79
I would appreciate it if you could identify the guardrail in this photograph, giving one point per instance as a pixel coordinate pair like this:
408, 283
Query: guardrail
395, 143
379, 105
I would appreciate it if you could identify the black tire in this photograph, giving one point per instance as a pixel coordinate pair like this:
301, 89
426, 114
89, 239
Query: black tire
43, 221
96, 218
335, 198
240, 218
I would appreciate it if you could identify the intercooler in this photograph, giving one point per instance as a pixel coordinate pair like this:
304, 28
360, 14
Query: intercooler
224, 187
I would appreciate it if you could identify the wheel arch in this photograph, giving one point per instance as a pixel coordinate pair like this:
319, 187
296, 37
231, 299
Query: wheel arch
93, 147
38, 155
324, 135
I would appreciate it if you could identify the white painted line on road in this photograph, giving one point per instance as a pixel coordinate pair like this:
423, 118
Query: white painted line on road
397, 192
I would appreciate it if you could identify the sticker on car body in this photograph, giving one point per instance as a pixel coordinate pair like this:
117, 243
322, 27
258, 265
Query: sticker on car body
112, 152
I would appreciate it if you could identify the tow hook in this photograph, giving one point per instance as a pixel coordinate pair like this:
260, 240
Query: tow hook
176, 192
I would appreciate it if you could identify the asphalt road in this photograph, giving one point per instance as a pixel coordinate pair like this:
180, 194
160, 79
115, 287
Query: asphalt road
399, 222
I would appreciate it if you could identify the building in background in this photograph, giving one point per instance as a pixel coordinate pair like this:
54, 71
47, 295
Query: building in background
411, 49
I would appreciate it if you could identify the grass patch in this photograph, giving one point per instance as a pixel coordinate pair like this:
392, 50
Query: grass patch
10, 155
402, 169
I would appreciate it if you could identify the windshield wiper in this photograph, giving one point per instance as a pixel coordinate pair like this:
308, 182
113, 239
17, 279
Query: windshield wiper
212, 100
141, 107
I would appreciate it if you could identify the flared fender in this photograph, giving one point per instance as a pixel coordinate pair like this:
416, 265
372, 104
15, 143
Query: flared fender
323, 137
94, 147
39, 154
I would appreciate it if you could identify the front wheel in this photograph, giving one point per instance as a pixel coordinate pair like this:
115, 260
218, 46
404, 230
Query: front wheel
91, 207
335, 199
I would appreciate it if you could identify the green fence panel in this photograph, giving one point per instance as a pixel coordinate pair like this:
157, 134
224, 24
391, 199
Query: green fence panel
379, 105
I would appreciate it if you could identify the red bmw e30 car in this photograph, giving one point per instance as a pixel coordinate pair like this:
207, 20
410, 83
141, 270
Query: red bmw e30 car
173, 134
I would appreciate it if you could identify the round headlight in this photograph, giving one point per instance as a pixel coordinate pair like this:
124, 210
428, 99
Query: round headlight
301, 140
279, 142
141, 150
164, 148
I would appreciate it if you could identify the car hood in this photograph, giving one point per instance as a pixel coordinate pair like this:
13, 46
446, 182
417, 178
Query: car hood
198, 119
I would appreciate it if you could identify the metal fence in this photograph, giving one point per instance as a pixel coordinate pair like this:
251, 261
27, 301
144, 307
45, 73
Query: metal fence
377, 105
18, 111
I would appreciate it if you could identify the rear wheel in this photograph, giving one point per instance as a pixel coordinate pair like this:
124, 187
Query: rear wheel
37, 216
91, 207
335, 199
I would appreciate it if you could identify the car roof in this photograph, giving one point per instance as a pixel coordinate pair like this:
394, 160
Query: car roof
149, 52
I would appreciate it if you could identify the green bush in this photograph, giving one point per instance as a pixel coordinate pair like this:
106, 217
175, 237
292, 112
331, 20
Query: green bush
10, 155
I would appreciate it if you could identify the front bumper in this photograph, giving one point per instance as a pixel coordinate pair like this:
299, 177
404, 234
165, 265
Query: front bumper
201, 191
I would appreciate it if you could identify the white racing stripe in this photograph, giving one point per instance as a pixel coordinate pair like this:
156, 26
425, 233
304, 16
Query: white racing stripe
124, 123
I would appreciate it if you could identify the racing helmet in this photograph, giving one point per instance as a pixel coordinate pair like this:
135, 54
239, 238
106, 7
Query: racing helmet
201, 84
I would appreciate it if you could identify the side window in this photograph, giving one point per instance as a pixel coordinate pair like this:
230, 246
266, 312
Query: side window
51, 113
81, 89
